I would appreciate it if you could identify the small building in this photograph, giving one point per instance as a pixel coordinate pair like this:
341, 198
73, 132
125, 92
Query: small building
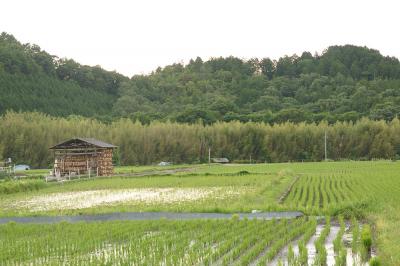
83, 156
220, 160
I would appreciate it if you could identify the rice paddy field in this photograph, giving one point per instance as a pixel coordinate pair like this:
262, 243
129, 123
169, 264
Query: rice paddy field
352, 212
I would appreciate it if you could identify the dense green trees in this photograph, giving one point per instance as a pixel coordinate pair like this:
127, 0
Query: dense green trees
26, 138
31, 79
181, 110
344, 83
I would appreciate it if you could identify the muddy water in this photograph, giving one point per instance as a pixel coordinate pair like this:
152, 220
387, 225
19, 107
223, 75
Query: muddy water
353, 258
330, 258
282, 255
310, 245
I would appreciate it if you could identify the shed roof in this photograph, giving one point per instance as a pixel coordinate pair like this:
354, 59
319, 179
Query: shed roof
81, 143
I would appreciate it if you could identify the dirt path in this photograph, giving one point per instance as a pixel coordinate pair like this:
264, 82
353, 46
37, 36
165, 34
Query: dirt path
286, 193
158, 172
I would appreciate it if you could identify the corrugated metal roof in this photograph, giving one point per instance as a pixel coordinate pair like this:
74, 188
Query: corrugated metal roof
92, 141
98, 143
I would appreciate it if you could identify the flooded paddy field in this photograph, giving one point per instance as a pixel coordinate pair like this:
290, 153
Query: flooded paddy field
228, 205
223, 241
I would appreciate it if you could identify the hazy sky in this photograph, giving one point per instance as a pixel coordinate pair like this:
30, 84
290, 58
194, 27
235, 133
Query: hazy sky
135, 37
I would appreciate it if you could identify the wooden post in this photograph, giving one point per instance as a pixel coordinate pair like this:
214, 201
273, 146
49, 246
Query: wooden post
326, 154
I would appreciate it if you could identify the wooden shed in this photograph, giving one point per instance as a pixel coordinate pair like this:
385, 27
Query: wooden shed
83, 156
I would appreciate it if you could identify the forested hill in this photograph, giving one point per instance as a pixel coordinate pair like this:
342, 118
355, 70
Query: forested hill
343, 83
33, 80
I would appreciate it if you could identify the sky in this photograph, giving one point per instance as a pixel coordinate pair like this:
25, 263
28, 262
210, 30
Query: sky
135, 37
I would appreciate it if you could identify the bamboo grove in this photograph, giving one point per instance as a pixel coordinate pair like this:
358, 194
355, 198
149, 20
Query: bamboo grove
26, 137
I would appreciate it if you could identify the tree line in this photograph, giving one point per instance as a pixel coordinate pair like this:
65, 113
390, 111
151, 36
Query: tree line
26, 137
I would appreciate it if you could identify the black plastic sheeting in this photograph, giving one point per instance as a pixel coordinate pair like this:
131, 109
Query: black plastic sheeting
131, 216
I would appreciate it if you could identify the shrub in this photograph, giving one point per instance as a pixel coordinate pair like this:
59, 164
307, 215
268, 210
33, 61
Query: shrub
4, 175
374, 262
13, 186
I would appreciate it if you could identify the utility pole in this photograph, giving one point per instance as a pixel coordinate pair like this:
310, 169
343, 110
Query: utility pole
209, 155
326, 155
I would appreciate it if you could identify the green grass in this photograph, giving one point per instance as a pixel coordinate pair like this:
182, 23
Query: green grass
118, 169
34, 172
11, 186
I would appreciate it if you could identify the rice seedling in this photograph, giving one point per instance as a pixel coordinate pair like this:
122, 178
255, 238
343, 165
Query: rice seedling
320, 259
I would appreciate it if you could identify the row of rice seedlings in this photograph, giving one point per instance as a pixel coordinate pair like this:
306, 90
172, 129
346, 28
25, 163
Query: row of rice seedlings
224, 243
356, 235
172, 239
299, 228
189, 248
302, 258
316, 195
202, 245
157, 247
176, 246
255, 224
231, 240
320, 258
182, 252
338, 247
205, 246
36, 244
164, 243
245, 247
258, 248
339, 196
